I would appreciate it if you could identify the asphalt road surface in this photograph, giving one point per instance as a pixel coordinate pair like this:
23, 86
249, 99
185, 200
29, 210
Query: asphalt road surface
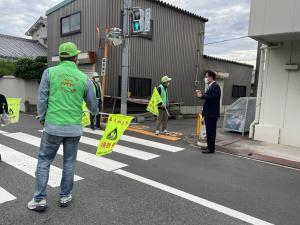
146, 180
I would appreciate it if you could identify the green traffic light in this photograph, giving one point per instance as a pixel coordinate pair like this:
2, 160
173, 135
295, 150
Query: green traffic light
136, 26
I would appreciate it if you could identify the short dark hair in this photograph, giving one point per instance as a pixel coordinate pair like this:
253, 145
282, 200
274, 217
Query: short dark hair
67, 58
210, 73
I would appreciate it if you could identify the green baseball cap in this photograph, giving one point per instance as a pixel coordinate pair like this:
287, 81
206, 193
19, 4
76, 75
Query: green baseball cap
68, 49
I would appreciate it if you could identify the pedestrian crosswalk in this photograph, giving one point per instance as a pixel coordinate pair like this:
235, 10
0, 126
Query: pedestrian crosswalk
5, 196
27, 164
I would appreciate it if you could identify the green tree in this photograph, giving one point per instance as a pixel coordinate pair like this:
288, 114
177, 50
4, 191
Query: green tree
27, 68
6, 68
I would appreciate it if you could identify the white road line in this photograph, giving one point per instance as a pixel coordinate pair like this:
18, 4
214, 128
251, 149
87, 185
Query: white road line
121, 149
5, 196
82, 156
140, 141
195, 199
3, 132
28, 165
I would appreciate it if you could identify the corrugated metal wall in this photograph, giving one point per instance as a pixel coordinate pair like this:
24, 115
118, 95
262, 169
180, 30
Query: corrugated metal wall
177, 37
238, 75
172, 52
93, 14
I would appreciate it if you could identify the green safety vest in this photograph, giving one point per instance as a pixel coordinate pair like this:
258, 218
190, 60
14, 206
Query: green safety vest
67, 86
164, 95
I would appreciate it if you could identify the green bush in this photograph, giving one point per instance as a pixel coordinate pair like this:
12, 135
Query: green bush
6, 68
30, 69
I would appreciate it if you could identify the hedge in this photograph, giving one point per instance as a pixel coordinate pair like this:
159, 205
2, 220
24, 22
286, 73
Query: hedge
30, 69
6, 68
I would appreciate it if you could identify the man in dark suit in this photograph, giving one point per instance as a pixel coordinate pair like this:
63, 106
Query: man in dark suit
211, 109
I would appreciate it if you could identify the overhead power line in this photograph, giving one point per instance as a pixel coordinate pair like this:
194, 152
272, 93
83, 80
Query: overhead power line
232, 39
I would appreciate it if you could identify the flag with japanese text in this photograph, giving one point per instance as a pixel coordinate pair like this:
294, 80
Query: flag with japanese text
115, 127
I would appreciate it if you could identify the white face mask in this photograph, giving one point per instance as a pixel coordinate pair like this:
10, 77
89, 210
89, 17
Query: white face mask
206, 80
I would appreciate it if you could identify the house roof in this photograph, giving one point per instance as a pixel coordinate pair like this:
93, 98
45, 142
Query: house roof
66, 2
40, 22
226, 60
16, 47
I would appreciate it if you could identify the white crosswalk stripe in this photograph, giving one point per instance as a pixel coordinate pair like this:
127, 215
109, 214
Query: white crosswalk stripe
5, 196
28, 165
140, 141
82, 156
121, 149
2, 132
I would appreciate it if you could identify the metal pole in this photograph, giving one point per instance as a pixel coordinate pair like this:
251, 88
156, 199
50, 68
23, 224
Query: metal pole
125, 56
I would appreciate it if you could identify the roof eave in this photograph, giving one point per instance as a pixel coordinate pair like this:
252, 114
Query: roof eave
42, 20
58, 6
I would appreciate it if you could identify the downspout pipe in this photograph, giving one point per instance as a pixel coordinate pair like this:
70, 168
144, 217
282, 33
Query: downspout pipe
259, 90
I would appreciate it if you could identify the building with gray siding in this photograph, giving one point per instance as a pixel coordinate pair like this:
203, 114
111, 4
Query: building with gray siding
174, 49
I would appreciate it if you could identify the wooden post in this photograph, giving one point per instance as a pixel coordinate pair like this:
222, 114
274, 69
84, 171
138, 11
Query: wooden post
103, 74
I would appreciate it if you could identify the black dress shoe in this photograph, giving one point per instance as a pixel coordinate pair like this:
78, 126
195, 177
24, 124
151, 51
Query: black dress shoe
204, 148
207, 151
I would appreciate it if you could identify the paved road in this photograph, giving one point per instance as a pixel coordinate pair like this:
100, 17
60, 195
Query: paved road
145, 182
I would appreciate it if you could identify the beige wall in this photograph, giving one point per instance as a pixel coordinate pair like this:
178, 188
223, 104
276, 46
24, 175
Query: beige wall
274, 17
19, 88
280, 109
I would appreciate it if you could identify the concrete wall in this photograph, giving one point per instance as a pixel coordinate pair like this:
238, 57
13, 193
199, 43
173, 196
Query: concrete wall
274, 17
280, 109
13, 87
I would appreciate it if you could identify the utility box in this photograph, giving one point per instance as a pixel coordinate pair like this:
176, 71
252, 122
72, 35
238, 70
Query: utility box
239, 116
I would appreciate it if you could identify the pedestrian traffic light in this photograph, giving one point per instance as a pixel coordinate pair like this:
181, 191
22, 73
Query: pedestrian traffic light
138, 20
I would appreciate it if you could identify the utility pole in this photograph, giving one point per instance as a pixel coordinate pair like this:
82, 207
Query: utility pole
125, 56
103, 73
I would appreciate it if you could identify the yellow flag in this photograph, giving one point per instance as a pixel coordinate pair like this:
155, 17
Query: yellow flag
85, 116
153, 103
115, 127
13, 109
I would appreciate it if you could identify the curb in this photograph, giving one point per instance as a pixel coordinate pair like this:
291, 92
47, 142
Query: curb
260, 157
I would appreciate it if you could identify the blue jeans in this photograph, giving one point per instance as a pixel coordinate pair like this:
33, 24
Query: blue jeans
48, 149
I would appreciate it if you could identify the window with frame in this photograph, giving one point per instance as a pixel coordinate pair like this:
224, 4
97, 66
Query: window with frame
71, 24
238, 91
138, 87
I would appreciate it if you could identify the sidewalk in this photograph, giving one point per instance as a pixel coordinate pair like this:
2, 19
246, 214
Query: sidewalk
236, 144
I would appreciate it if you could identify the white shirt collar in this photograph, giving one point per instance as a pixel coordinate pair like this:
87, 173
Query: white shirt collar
211, 83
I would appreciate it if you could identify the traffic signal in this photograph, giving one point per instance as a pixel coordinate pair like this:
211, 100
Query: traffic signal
138, 21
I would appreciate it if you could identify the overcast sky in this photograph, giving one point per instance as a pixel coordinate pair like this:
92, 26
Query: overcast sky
228, 19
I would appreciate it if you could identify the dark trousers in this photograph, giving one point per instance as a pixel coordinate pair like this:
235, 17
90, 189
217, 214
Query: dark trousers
211, 129
92, 117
